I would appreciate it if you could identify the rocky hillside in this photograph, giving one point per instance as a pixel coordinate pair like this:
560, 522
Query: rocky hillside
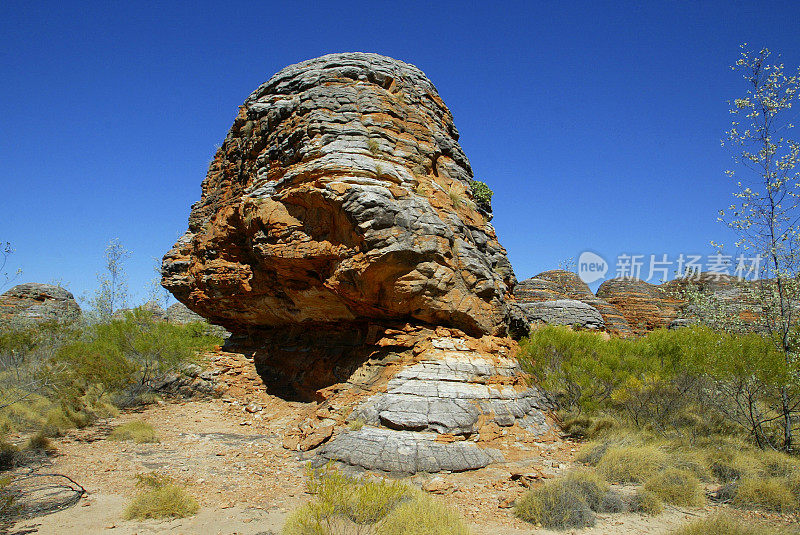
624, 306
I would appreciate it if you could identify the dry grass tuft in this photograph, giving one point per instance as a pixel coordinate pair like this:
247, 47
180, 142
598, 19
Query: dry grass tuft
568, 502
345, 505
423, 515
137, 431
161, 499
677, 487
722, 525
631, 464
39, 442
646, 502
769, 493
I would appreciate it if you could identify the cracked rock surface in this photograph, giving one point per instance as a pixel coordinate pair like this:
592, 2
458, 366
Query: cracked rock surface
407, 452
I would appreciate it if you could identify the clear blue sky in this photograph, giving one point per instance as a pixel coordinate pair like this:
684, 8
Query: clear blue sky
597, 124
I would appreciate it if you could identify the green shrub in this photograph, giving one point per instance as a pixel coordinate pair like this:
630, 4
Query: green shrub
722, 525
689, 382
423, 515
646, 502
67, 376
677, 487
162, 498
128, 353
482, 194
769, 493
631, 464
136, 431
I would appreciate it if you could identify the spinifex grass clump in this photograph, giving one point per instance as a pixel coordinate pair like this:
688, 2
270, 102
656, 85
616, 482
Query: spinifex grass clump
677, 487
161, 498
423, 515
631, 464
723, 525
137, 431
771, 493
646, 502
347, 505
568, 502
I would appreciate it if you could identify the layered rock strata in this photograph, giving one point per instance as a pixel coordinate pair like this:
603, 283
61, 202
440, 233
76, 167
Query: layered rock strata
645, 306
442, 409
341, 195
564, 312
403, 398
634, 307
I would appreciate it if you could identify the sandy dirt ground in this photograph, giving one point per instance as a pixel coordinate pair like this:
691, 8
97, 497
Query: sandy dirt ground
233, 463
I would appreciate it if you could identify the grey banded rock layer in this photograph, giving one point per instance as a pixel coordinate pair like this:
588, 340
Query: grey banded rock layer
451, 391
407, 452
564, 312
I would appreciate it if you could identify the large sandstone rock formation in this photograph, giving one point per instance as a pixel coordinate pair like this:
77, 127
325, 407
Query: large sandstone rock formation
557, 284
34, 302
341, 195
338, 238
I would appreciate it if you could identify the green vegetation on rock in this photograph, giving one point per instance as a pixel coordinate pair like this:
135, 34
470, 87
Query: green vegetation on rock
482, 194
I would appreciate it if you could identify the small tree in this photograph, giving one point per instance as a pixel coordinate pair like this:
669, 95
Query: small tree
113, 291
155, 292
5, 278
766, 210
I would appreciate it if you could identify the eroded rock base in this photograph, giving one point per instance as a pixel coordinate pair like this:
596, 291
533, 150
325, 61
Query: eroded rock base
404, 398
